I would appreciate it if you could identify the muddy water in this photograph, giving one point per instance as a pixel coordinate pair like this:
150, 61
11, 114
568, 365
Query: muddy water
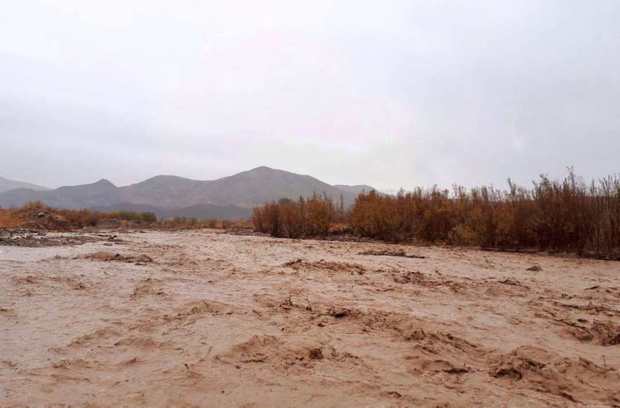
216, 320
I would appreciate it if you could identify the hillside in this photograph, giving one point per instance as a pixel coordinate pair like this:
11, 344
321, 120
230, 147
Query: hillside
7, 185
173, 196
262, 184
165, 191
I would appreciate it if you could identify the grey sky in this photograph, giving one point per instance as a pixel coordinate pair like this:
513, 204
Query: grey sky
390, 93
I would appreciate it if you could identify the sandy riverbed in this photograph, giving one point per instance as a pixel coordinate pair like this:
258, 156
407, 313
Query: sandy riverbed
216, 320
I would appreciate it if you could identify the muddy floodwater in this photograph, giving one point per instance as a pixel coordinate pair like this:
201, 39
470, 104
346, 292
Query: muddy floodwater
207, 319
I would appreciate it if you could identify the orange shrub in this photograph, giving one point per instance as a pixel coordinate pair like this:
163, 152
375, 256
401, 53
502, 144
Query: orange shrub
294, 219
565, 215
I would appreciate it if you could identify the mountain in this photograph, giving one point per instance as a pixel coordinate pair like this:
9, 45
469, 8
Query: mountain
166, 192
100, 193
262, 184
172, 196
246, 189
6, 185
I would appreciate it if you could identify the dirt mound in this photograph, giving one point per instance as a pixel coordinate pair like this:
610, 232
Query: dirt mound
301, 265
535, 368
40, 217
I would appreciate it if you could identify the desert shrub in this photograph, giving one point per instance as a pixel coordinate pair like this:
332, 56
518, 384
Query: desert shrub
8, 219
564, 215
294, 219
379, 216
319, 214
80, 218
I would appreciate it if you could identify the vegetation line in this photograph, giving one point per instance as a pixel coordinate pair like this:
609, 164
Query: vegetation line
564, 215
38, 216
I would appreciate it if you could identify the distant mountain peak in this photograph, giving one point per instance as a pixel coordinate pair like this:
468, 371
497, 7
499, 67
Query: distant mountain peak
163, 179
268, 171
168, 194
166, 177
262, 170
103, 182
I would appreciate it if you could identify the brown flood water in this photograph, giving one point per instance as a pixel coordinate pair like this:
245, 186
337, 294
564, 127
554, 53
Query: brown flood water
207, 319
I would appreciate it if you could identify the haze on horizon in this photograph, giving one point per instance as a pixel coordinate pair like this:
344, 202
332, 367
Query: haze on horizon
390, 94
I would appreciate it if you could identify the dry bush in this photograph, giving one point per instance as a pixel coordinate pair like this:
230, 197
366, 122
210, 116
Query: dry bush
294, 219
554, 215
563, 215
8, 219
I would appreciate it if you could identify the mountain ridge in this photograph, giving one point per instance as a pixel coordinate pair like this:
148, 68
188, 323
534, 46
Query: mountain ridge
8, 185
169, 195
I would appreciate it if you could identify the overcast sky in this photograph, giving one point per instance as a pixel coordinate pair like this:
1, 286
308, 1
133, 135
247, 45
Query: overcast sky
389, 93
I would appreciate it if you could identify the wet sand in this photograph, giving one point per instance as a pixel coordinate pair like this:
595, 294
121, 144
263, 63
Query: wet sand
208, 319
